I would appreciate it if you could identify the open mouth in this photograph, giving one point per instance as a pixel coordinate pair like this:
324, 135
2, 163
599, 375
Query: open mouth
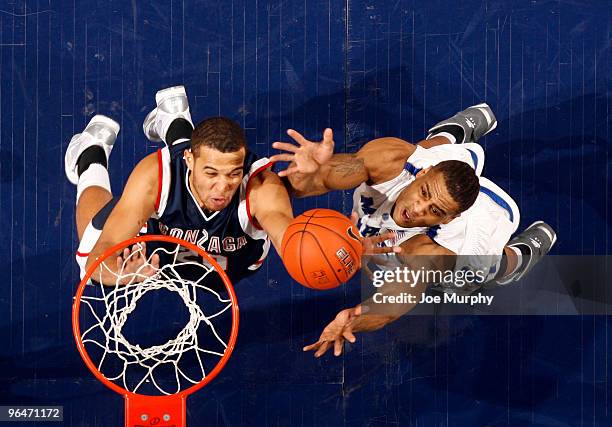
218, 200
405, 216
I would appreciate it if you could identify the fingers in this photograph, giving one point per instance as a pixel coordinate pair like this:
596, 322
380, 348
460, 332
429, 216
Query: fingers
285, 146
349, 336
381, 238
297, 137
133, 263
354, 218
288, 171
312, 346
328, 139
385, 250
323, 349
338, 344
151, 267
328, 136
135, 254
370, 244
282, 158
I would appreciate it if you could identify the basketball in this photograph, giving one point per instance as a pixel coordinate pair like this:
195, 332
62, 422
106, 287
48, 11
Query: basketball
321, 249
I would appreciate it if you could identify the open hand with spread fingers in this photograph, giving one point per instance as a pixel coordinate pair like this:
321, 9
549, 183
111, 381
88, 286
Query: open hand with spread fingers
306, 157
336, 333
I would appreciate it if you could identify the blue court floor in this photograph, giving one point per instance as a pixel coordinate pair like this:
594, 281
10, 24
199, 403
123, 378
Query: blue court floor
366, 69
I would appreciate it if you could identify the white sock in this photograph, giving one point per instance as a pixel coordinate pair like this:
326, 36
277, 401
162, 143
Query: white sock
94, 175
446, 135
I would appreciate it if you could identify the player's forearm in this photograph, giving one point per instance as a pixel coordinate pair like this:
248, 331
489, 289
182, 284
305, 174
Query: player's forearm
394, 310
276, 225
371, 322
342, 172
98, 250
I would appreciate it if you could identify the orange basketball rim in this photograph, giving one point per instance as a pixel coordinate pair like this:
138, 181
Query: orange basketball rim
167, 409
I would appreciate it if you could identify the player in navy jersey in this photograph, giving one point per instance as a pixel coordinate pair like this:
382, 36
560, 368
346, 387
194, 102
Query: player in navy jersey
402, 187
204, 186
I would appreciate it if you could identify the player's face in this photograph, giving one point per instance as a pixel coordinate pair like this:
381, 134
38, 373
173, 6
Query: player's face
425, 203
215, 176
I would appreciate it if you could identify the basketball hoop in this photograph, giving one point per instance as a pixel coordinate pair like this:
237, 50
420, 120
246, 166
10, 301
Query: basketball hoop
183, 365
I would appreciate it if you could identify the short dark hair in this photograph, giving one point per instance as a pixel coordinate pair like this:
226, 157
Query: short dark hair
220, 133
461, 182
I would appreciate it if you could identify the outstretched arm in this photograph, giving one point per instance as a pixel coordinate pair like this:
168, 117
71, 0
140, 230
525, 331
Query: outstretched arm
136, 205
356, 319
315, 170
270, 206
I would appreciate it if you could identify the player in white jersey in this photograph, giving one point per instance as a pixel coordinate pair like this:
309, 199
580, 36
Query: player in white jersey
482, 231
387, 168
374, 203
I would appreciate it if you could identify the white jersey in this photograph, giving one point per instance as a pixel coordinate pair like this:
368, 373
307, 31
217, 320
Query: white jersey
483, 229
373, 203
479, 234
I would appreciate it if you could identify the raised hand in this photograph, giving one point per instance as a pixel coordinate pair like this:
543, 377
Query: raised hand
306, 157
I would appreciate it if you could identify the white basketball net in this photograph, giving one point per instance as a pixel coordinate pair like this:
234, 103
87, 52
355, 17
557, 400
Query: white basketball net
120, 301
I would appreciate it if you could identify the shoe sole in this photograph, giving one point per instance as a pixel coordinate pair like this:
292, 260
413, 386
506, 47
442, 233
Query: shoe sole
161, 95
107, 121
148, 121
97, 119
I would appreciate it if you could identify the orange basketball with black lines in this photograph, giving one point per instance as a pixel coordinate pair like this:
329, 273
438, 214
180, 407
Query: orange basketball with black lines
321, 249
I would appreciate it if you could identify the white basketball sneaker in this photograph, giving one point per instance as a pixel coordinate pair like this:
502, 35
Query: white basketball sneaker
101, 131
172, 104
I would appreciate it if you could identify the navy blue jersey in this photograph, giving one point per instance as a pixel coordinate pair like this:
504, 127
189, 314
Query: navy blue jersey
229, 235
